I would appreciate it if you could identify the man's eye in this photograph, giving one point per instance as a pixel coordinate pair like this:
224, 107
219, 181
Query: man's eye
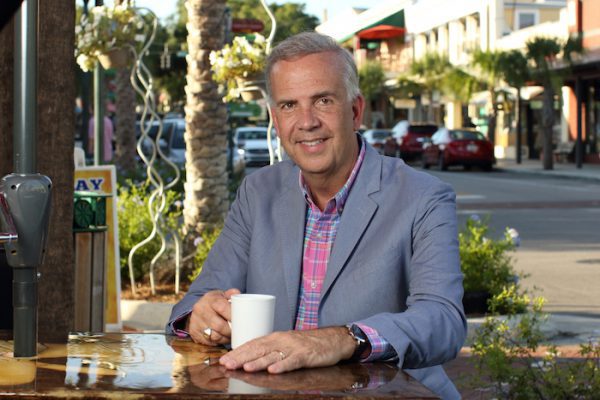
287, 106
324, 101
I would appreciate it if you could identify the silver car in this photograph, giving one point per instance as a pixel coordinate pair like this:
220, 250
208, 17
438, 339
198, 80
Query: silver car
251, 142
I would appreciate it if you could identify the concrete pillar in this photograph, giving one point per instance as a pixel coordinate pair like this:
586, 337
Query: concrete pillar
453, 114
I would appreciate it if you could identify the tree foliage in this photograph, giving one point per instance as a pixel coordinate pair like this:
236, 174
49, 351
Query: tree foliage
290, 17
371, 79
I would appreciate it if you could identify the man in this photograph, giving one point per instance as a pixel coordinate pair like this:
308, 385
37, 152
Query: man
360, 250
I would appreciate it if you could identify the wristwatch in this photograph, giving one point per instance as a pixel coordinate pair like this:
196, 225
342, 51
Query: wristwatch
361, 340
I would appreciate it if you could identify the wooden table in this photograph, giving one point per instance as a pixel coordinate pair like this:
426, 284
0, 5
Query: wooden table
117, 365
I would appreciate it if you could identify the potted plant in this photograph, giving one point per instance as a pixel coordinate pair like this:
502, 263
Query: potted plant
105, 35
488, 268
240, 65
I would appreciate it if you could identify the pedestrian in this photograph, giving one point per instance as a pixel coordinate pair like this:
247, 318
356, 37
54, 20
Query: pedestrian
360, 250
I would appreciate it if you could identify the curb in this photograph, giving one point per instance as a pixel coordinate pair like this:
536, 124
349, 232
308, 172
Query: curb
550, 174
145, 316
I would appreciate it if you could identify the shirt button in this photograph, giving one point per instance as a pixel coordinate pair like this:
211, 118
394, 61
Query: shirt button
313, 285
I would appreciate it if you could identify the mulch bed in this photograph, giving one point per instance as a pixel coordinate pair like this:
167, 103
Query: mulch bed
165, 293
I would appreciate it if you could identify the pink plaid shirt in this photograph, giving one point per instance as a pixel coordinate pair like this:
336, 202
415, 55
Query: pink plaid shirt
319, 236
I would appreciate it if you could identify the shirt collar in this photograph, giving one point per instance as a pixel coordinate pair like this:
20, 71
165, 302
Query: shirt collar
339, 200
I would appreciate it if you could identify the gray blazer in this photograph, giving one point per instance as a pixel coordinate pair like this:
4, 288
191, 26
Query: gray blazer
394, 264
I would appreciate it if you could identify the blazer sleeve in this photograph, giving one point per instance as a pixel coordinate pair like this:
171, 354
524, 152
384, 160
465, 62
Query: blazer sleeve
227, 262
433, 328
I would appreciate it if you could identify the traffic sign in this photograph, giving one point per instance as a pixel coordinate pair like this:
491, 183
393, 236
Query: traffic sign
247, 25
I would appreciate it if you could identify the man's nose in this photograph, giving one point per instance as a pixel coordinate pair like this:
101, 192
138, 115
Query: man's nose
309, 119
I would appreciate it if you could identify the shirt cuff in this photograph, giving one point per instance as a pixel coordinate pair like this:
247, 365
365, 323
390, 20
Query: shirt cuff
381, 349
178, 326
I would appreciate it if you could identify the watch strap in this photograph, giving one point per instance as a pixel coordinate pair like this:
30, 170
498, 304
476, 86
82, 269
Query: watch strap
360, 339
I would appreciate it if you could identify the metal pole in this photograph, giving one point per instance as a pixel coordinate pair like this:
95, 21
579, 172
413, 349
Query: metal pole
98, 115
85, 101
24, 153
518, 123
98, 110
579, 142
25, 118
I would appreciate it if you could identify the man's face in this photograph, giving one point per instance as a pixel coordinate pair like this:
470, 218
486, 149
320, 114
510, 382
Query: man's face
314, 118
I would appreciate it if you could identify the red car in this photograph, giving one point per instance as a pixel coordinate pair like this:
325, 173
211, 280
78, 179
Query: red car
410, 138
464, 146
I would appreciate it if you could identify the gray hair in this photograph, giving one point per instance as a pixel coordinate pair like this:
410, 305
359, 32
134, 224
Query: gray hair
307, 43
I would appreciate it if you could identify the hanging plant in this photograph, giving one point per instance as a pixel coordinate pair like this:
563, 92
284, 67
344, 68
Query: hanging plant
239, 65
106, 33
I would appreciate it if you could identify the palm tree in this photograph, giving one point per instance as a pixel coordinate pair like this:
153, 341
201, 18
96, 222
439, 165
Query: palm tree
206, 194
489, 69
543, 53
515, 72
430, 72
372, 79
125, 115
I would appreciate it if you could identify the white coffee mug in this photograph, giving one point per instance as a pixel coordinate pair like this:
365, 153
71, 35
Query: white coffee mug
251, 317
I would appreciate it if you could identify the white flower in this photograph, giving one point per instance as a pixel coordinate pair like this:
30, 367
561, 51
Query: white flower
514, 236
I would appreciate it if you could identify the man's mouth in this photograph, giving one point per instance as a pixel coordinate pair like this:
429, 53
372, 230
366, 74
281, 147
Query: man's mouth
311, 143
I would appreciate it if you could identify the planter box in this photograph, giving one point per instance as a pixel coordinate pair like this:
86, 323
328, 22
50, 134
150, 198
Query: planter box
475, 303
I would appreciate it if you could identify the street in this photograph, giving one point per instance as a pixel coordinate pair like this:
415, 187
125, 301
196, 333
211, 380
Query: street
557, 220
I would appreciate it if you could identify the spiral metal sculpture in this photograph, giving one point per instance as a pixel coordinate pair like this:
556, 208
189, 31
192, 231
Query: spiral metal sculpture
141, 80
262, 91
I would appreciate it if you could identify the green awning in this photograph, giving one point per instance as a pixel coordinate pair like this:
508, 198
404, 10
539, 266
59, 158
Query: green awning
395, 20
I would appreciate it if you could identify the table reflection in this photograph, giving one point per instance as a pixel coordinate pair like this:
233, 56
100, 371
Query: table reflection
156, 365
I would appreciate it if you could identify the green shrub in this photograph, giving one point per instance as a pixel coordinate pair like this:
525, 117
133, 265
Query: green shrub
485, 262
135, 225
203, 246
505, 349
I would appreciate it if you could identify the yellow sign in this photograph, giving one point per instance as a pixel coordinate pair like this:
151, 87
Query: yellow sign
103, 179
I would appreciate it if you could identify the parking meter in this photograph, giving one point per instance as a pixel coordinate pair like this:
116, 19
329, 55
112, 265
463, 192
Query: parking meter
25, 214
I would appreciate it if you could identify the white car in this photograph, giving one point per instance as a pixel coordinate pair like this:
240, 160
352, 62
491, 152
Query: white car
377, 138
251, 143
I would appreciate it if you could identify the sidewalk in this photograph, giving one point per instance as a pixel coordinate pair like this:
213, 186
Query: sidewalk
588, 172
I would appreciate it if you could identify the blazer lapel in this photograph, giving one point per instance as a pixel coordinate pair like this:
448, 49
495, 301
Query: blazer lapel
357, 214
292, 207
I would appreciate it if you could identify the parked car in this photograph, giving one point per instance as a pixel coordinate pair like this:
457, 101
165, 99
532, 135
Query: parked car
465, 146
377, 138
172, 143
251, 142
410, 136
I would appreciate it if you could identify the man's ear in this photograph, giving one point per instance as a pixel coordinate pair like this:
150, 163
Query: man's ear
358, 109
273, 116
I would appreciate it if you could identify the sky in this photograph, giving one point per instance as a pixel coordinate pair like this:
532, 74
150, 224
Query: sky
163, 8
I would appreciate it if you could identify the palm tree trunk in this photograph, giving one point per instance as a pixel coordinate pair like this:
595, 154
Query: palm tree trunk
493, 117
125, 124
548, 124
206, 193
56, 127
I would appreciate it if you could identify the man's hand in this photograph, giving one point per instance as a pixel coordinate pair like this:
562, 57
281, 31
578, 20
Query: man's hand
213, 311
286, 351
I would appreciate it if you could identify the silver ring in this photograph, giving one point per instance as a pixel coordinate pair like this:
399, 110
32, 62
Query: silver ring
206, 333
281, 354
